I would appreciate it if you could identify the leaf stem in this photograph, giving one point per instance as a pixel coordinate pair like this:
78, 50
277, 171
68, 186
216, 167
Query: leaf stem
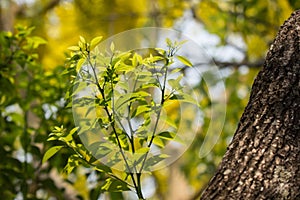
139, 191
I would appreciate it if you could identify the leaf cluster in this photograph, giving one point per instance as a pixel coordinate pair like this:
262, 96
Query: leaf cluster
30, 103
121, 97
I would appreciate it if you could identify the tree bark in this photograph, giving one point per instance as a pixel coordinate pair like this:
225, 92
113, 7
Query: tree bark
263, 159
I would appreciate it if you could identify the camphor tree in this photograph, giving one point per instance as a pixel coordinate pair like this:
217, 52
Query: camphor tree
119, 102
263, 159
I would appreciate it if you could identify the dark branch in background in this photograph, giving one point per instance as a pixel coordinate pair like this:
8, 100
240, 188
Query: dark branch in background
49, 6
255, 64
8, 15
231, 44
224, 64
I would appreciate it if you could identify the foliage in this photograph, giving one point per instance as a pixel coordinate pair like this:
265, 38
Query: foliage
256, 21
60, 22
30, 101
124, 88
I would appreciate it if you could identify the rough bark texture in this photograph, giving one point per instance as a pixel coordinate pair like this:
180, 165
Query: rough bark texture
263, 159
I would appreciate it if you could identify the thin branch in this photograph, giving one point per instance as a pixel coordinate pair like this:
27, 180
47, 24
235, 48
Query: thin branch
49, 6
224, 64
256, 64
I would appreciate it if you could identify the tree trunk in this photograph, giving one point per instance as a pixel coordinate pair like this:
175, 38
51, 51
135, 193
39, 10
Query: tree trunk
263, 159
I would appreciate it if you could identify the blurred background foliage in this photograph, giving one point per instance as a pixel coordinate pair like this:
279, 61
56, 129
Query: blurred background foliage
32, 89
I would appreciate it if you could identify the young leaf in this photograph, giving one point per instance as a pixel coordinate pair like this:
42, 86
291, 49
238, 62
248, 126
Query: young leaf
95, 42
50, 152
134, 60
142, 150
182, 42
74, 48
112, 47
82, 39
73, 162
124, 55
141, 109
176, 70
124, 68
79, 64
37, 41
184, 61
185, 98
169, 42
161, 51
74, 130
158, 142
175, 83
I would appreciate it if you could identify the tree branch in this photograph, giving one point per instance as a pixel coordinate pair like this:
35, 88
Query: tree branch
256, 64
49, 6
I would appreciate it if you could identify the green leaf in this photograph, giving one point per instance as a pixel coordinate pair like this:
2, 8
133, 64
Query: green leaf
123, 141
169, 42
161, 51
124, 68
161, 139
79, 64
130, 97
152, 161
74, 48
50, 152
112, 47
141, 109
102, 168
103, 150
73, 162
142, 150
166, 135
74, 130
185, 61
124, 55
175, 83
182, 42
158, 142
135, 60
184, 98
82, 39
174, 71
138, 159
95, 42
37, 41
114, 185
